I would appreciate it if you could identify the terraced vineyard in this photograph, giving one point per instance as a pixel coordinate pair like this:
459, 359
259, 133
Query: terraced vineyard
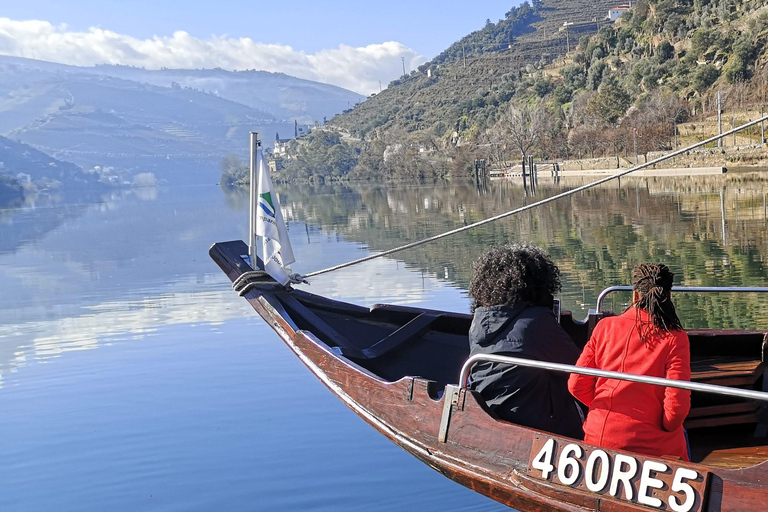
446, 92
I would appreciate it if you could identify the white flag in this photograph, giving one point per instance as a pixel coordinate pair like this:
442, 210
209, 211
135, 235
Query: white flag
277, 252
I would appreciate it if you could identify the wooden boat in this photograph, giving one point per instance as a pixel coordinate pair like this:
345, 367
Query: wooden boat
398, 369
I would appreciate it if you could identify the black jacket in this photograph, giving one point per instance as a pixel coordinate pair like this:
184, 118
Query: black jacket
527, 396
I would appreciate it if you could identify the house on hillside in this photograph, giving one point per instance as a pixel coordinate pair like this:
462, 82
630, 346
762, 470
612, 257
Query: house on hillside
281, 146
615, 13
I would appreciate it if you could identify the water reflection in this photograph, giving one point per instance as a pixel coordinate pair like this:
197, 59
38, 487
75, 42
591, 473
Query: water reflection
76, 274
711, 230
189, 399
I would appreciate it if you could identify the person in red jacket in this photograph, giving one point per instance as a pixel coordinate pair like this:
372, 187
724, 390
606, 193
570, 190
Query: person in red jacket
647, 339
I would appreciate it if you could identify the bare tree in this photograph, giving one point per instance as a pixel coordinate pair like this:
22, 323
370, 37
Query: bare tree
524, 125
586, 138
665, 109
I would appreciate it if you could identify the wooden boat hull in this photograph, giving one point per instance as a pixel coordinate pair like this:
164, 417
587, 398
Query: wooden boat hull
484, 454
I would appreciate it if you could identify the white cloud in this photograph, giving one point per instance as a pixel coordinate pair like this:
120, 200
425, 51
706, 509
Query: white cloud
358, 69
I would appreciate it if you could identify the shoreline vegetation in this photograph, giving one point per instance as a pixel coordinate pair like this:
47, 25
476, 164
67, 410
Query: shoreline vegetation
664, 75
359, 166
28, 175
11, 192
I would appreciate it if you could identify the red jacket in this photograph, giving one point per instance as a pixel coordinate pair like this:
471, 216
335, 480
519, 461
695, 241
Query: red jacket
623, 415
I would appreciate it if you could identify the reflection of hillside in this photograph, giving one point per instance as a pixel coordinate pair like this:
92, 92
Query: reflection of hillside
595, 236
202, 299
24, 224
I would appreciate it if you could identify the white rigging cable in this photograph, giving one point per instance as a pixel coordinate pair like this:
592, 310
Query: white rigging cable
538, 203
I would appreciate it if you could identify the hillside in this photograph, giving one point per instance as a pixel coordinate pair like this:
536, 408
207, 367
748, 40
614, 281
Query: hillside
24, 169
645, 83
175, 123
283, 97
438, 96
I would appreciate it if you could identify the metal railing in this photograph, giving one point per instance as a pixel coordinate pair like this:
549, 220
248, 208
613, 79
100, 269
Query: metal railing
684, 289
452, 392
644, 379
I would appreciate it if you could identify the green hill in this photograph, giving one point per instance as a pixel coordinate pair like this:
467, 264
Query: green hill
513, 87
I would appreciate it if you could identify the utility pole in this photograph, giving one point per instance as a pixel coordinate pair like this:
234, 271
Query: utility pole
379, 85
403, 66
567, 35
719, 120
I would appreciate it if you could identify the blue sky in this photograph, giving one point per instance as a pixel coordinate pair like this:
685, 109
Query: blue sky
355, 45
426, 26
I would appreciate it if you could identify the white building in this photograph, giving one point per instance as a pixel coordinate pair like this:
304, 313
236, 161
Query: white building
281, 145
615, 12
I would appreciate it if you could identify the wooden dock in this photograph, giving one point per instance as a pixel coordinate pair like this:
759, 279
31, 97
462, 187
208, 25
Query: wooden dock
670, 171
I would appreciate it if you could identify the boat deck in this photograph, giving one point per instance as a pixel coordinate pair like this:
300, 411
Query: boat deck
732, 447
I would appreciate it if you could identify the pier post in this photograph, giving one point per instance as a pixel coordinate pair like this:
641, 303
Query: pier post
719, 120
524, 185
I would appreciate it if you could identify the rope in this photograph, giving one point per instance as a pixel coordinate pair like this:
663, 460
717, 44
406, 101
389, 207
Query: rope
248, 280
240, 282
538, 203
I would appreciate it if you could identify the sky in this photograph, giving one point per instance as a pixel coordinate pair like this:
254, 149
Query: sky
353, 44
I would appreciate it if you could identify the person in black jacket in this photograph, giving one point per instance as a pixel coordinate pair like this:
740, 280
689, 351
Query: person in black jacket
512, 291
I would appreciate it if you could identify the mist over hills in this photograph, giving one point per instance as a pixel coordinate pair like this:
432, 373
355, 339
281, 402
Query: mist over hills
282, 96
175, 123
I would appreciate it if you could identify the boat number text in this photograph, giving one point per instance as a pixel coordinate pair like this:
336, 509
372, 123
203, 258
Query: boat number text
656, 484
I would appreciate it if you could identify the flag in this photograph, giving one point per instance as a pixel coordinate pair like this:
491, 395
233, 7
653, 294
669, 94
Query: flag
276, 247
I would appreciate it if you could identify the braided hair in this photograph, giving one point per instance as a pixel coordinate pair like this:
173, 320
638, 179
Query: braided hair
653, 283
507, 275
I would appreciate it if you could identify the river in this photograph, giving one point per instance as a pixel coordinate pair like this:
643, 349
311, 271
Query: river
133, 378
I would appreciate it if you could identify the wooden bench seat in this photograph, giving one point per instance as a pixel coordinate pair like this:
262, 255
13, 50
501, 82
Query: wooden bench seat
732, 371
726, 371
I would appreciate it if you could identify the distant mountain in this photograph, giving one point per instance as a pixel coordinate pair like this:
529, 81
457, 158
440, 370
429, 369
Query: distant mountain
23, 167
283, 97
175, 123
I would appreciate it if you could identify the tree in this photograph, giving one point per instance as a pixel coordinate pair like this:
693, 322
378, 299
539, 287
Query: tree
525, 124
704, 76
585, 138
595, 75
574, 76
608, 104
665, 51
233, 170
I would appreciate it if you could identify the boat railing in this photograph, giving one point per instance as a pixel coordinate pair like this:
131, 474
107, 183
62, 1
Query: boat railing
452, 392
607, 374
684, 289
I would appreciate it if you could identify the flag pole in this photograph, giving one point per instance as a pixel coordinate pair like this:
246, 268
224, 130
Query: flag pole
254, 200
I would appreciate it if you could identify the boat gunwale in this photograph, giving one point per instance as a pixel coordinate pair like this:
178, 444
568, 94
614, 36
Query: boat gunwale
323, 361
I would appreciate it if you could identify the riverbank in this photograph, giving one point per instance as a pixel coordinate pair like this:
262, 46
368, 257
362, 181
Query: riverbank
698, 162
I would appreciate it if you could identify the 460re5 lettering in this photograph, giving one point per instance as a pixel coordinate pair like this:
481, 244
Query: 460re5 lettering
661, 485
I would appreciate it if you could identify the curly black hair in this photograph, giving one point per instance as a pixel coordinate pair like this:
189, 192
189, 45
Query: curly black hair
511, 274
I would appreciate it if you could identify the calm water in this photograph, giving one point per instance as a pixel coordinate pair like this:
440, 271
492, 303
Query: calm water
133, 378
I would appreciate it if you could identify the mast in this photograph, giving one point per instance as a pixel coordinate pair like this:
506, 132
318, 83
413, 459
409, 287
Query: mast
254, 200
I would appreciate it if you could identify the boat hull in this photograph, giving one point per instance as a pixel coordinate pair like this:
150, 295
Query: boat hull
486, 455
